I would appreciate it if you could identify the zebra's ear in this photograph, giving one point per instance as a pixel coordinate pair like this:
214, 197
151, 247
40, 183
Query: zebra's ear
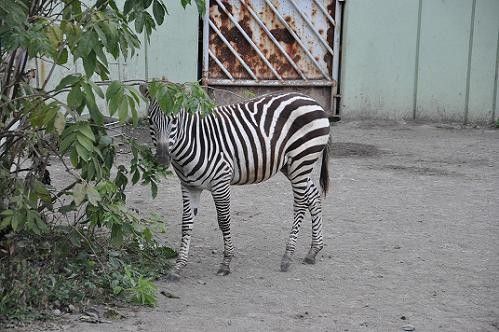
144, 89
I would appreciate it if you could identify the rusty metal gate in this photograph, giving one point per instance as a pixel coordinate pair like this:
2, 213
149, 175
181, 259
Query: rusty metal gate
272, 45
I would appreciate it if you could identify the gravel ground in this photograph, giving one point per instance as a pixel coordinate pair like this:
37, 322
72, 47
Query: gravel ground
411, 230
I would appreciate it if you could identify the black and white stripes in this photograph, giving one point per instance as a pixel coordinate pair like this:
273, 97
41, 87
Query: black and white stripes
242, 144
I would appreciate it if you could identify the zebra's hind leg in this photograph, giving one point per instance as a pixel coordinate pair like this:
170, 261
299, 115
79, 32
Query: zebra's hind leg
300, 204
315, 208
190, 199
221, 197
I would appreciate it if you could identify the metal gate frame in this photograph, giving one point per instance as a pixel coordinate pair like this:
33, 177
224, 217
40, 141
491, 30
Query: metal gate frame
328, 79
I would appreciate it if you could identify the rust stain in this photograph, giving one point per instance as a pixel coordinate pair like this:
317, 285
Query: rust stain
283, 35
328, 58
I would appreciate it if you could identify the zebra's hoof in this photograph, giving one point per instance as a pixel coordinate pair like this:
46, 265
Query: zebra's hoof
309, 260
285, 264
172, 276
223, 270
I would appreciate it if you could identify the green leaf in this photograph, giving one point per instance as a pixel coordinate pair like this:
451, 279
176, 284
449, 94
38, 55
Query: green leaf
85, 142
87, 131
88, 41
135, 115
89, 63
97, 89
7, 213
94, 111
128, 6
201, 4
114, 102
35, 222
117, 235
167, 252
102, 35
6, 222
59, 123
93, 195
102, 71
101, 56
69, 80
75, 238
67, 208
123, 110
147, 234
54, 35
105, 140
139, 21
73, 156
66, 142
42, 191
79, 191
113, 88
62, 57
154, 189
75, 97
158, 11
136, 177
82, 152
16, 221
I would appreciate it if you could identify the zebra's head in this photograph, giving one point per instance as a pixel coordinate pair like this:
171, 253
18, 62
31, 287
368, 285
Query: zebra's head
162, 128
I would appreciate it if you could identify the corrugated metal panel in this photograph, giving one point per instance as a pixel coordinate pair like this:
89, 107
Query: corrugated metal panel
271, 43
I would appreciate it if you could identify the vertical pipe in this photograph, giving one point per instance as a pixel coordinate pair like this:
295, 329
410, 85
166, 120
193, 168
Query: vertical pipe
468, 69
416, 63
494, 96
146, 59
206, 35
336, 55
37, 68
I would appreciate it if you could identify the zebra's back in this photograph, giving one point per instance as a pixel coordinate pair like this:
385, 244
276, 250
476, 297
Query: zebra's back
259, 137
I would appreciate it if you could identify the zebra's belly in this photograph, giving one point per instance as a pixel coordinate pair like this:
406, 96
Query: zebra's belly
237, 174
250, 174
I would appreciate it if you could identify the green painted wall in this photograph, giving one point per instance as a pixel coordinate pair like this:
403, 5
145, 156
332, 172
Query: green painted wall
378, 58
172, 52
383, 76
445, 33
483, 60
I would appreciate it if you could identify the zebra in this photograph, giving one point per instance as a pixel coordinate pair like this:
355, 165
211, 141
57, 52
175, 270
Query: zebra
240, 144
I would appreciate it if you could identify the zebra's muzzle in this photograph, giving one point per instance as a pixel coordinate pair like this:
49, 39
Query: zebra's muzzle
163, 156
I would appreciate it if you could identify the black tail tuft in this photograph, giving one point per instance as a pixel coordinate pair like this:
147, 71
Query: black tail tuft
324, 176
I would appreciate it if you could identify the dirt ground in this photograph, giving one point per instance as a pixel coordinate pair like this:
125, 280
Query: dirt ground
411, 241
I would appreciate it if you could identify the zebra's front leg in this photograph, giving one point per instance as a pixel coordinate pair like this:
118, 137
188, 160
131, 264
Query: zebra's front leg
190, 199
221, 197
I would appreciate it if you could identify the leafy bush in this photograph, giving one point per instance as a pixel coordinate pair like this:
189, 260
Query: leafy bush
47, 272
75, 240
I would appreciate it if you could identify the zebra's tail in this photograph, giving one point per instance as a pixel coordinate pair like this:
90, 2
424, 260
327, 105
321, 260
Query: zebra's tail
324, 176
